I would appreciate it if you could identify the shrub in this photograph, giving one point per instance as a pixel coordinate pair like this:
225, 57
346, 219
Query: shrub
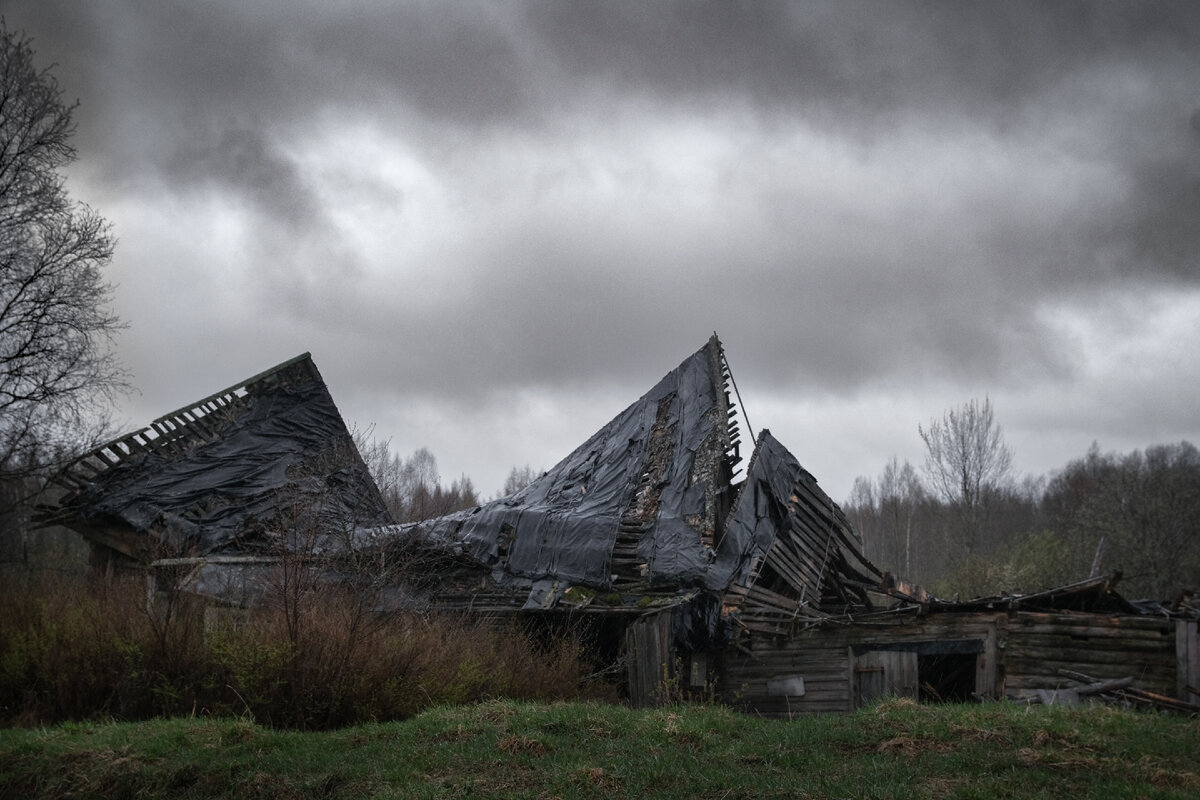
73, 651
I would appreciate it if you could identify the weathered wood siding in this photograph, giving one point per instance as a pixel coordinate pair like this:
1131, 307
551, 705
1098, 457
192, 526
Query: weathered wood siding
826, 661
883, 673
650, 656
1038, 645
1016, 654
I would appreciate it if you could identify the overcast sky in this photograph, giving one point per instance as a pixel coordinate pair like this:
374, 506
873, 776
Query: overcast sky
496, 224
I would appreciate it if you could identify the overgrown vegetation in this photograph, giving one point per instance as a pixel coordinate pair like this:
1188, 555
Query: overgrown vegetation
896, 749
75, 652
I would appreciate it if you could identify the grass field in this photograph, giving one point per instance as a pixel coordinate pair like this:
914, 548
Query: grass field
589, 750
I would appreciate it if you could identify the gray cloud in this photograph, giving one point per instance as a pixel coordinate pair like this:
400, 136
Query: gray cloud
463, 202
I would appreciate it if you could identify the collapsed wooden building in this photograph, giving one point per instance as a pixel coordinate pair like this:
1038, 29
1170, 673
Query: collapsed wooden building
752, 588
220, 488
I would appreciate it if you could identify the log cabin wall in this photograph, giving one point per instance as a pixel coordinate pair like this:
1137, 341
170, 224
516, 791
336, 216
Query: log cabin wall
839, 669
785, 676
1014, 655
1039, 645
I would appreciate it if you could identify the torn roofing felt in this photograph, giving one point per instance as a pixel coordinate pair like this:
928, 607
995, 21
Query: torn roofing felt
645, 509
638, 504
217, 474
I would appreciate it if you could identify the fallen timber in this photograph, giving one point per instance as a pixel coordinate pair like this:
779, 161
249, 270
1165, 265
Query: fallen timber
1116, 692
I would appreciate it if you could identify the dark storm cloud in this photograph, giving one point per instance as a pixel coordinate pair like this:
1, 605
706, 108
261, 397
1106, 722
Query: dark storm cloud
898, 189
855, 63
247, 163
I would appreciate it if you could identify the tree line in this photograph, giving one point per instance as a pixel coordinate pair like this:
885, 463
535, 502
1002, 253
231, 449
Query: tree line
963, 524
412, 487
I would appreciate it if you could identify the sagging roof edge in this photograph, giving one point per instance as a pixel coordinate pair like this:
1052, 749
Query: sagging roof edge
145, 491
165, 428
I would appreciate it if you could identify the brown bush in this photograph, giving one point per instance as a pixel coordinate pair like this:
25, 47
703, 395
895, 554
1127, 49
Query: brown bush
71, 651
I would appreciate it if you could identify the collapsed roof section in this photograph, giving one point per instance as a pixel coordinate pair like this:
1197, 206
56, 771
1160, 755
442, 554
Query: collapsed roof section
643, 515
789, 554
634, 510
214, 477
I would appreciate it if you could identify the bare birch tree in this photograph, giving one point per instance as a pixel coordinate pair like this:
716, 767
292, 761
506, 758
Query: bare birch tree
966, 459
885, 511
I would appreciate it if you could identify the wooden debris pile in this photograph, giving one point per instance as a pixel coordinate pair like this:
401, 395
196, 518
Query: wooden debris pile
1114, 691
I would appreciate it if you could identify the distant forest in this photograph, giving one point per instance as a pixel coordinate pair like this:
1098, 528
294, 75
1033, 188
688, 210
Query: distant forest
1138, 512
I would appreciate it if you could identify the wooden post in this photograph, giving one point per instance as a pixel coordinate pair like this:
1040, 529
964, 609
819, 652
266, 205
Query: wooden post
1187, 657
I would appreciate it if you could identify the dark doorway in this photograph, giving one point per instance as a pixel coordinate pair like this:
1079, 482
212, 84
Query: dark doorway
946, 677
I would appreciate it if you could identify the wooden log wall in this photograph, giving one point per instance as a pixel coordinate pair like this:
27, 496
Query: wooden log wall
1021, 652
1187, 659
1039, 645
825, 661
823, 668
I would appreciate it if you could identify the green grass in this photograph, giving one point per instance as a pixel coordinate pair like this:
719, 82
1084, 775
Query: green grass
588, 750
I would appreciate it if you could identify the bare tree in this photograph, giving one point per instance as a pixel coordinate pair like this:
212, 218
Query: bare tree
884, 511
900, 494
966, 459
1144, 505
411, 487
518, 478
56, 361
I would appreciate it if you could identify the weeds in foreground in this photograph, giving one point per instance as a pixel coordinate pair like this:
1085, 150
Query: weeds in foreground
78, 652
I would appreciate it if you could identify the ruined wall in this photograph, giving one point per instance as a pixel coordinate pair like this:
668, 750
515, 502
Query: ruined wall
1039, 645
1016, 655
838, 668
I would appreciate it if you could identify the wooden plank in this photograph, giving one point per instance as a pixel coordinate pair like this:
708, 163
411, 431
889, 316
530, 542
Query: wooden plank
1094, 644
1086, 656
1099, 621
811, 539
650, 656
1187, 659
802, 577
799, 552
761, 594
880, 673
1048, 678
1193, 670
1113, 669
1099, 687
1161, 629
